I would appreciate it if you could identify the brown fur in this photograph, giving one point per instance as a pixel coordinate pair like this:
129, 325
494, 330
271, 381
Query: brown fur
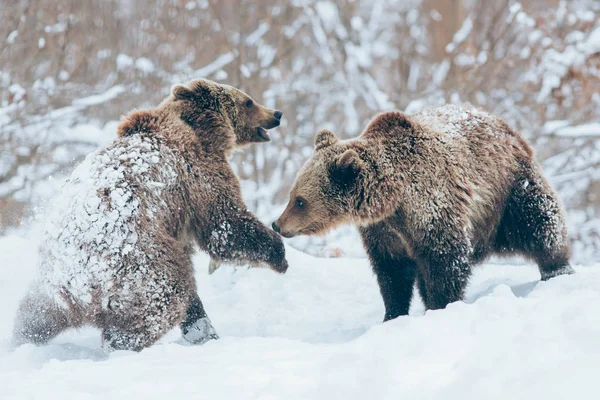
185, 193
432, 194
139, 121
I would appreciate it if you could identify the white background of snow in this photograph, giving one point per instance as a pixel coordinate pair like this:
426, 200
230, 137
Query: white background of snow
315, 333
590, 129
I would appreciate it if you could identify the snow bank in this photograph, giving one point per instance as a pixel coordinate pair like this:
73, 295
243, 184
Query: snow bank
315, 333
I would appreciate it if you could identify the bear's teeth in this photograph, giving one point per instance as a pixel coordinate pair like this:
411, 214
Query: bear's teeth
263, 134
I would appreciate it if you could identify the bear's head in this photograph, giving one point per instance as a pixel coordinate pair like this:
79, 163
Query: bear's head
326, 190
203, 104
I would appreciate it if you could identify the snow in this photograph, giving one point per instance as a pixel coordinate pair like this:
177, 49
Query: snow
589, 129
555, 64
460, 35
328, 13
109, 94
201, 331
316, 333
441, 72
214, 66
92, 134
17, 91
257, 34
592, 45
12, 36
553, 125
124, 61
144, 65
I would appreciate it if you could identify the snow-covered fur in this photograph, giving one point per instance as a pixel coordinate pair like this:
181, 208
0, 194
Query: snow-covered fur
432, 194
117, 254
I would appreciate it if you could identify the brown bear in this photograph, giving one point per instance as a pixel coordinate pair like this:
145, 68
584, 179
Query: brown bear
432, 194
118, 254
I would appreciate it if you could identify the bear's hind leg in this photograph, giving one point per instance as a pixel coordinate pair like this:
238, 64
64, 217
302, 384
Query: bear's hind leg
138, 317
143, 327
395, 271
137, 331
534, 225
39, 319
114, 338
196, 326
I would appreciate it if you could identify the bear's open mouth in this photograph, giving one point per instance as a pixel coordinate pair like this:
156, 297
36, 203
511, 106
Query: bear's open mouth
263, 134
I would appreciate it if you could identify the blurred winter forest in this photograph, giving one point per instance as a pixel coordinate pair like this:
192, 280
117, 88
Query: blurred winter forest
70, 68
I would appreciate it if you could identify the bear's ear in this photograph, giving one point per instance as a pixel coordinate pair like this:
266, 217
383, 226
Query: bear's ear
324, 138
181, 92
346, 168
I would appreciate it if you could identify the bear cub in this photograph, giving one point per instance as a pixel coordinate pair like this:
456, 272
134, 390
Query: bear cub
117, 255
432, 194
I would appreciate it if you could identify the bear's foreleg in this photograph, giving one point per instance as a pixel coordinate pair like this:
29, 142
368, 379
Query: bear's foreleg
534, 224
395, 271
443, 261
196, 326
230, 233
444, 280
241, 237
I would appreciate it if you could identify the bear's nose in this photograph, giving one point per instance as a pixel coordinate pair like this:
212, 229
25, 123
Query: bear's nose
278, 114
275, 227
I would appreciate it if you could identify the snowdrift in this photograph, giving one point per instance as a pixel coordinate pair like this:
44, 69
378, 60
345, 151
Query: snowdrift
316, 333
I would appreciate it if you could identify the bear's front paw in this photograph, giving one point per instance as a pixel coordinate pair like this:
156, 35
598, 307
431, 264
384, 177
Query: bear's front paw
277, 260
281, 267
200, 332
565, 270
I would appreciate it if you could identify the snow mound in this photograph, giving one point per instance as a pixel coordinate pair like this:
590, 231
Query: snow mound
316, 333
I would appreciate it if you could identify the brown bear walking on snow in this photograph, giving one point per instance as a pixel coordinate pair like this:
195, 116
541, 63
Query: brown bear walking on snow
432, 194
118, 254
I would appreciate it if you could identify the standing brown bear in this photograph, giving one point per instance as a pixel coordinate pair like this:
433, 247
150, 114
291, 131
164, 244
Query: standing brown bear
432, 194
118, 253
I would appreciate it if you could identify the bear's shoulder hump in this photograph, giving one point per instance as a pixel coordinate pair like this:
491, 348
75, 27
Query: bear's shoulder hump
389, 123
139, 121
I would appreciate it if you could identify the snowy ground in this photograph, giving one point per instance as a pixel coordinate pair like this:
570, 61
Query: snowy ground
315, 333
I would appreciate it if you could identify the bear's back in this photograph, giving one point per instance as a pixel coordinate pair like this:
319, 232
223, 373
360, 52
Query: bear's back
473, 135
456, 121
96, 219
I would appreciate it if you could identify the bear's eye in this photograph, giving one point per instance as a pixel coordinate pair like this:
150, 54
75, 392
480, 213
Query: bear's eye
300, 202
249, 103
